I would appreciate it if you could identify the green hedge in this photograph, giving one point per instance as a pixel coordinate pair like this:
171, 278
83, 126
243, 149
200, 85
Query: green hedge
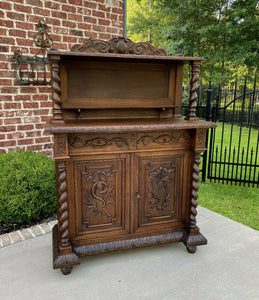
27, 187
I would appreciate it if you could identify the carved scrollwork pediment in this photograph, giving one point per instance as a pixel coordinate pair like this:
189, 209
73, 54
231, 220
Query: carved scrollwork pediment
118, 45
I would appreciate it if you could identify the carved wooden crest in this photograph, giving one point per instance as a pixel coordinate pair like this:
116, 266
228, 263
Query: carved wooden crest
118, 45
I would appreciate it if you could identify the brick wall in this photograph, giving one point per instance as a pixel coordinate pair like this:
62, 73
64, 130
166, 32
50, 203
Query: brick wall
25, 109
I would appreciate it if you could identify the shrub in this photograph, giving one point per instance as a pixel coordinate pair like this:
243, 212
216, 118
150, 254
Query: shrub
27, 187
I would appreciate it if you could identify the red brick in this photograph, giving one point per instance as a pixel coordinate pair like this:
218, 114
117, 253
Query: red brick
2, 137
45, 227
28, 89
33, 133
98, 28
9, 90
84, 11
52, 5
15, 236
41, 97
25, 25
8, 114
3, 31
69, 8
68, 24
41, 12
112, 30
15, 32
59, 14
45, 118
6, 241
34, 2
34, 148
90, 4
104, 22
7, 128
4, 5
51, 21
12, 121
15, 16
84, 26
104, 36
8, 144
69, 39
12, 105
23, 113
33, 19
47, 152
118, 11
5, 98
14, 136
75, 17
92, 35
7, 24
25, 42
26, 234
31, 120
27, 105
25, 127
25, 141
22, 8
98, 14
75, 2
43, 140
26, 97
36, 230
7, 40
104, 8
90, 20
45, 89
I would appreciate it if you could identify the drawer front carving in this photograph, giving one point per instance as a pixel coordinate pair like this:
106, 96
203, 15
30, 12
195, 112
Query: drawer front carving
163, 139
100, 194
160, 188
100, 142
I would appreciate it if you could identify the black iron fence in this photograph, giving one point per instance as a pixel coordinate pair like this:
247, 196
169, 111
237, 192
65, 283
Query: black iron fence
233, 147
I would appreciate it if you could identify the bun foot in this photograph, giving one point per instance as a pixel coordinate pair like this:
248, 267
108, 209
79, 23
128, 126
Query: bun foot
66, 270
191, 249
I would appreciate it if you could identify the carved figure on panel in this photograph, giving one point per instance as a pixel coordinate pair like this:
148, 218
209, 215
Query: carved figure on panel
159, 182
100, 193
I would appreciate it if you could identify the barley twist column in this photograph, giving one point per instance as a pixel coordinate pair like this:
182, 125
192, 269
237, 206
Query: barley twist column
195, 187
193, 88
56, 92
62, 204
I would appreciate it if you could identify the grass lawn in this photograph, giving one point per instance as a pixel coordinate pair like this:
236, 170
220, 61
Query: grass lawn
236, 202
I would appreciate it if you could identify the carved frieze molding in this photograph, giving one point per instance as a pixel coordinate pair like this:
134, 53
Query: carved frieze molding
97, 142
118, 45
164, 139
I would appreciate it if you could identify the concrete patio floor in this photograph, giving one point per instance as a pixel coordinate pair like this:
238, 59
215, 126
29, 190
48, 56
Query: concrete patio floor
227, 268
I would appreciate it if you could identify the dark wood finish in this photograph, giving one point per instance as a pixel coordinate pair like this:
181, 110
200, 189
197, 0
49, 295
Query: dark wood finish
127, 163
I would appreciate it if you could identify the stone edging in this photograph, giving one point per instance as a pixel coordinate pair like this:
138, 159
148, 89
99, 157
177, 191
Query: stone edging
26, 233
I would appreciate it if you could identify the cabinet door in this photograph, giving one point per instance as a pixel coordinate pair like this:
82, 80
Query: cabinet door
101, 189
160, 189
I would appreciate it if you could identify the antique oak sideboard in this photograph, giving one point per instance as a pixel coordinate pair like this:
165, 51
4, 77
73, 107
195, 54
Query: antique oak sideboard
127, 162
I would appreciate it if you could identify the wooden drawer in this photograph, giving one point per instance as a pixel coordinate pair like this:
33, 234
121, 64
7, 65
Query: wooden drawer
167, 140
98, 142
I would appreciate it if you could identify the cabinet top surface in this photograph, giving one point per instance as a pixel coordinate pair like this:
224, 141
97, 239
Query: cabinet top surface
126, 125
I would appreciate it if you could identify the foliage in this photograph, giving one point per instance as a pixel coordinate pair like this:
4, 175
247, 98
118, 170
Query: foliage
225, 32
27, 187
236, 202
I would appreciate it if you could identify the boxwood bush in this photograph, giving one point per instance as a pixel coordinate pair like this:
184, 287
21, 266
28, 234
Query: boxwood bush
27, 187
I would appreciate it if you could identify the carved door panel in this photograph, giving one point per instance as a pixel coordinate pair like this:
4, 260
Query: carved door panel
160, 189
101, 188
